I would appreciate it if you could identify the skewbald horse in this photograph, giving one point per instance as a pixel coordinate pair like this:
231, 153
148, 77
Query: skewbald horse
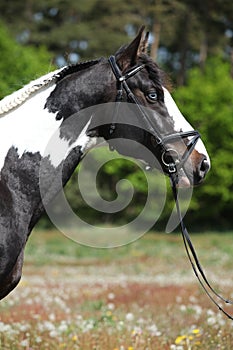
30, 116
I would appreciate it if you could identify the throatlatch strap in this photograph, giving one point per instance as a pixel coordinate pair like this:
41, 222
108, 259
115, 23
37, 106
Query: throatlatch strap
190, 250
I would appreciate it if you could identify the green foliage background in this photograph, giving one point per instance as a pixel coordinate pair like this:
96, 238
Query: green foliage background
19, 64
207, 101
193, 41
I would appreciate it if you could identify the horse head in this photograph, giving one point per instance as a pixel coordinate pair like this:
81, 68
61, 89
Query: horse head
156, 122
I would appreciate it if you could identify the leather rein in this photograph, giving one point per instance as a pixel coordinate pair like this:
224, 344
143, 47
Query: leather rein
171, 167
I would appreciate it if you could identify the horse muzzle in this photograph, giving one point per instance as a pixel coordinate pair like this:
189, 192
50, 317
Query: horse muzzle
194, 170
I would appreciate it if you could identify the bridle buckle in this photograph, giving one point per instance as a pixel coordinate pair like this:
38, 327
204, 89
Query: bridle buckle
170, 159
172, 168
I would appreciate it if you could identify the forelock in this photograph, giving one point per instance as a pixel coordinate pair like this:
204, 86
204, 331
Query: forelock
155, 73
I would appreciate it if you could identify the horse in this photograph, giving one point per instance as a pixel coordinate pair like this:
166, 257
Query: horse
30, 116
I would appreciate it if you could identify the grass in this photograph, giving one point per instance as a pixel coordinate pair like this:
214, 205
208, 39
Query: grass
141, 296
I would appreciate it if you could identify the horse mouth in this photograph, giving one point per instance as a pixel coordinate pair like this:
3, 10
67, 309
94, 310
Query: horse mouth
183, 182
182, 179
189, 178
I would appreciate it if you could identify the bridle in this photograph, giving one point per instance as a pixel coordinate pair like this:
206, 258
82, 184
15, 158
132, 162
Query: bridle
171, 165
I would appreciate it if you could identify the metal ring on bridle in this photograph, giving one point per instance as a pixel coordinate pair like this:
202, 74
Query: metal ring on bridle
167, 151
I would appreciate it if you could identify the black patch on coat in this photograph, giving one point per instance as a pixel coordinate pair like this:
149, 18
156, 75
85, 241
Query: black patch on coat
21, 205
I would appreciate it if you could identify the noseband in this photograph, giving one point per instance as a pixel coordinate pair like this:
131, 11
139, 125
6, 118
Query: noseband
171, 166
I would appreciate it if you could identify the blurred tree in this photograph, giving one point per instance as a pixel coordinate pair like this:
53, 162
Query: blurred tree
215, 23
183, 32
19, 65
108, 186
194, 31
207, 102
77, 29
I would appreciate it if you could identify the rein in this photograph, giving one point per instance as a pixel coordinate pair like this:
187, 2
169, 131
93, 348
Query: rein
171, 167
194, 261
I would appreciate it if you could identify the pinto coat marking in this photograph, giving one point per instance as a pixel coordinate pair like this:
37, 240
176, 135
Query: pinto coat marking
41, 111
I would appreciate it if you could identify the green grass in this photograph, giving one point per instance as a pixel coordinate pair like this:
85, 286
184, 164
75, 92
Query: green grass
52, 247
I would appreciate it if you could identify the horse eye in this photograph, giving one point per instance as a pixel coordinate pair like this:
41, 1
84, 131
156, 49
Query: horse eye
152, 96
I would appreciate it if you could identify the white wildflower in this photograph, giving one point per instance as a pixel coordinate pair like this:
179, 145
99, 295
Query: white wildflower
183, 307
52, 317
111, 296
153, 330
25, 343
38, 339
53, 334
211, 320
62, 327
129, 316
111, 306
23, 327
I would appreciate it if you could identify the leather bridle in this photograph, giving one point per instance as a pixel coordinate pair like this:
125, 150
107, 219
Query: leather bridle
171, 165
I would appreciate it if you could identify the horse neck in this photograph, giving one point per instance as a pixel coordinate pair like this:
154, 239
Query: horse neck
31, 134
33, 169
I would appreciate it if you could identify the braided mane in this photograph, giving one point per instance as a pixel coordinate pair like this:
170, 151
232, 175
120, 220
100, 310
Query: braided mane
18, 97
74, 68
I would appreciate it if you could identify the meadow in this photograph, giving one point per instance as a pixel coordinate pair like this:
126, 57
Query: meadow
141, 296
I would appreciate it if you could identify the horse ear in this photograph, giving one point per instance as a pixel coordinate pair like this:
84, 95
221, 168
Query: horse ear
144, 44
127, 56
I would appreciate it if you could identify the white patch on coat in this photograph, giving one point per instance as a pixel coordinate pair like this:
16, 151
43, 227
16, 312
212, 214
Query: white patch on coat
180, 123
59, 148
30, 127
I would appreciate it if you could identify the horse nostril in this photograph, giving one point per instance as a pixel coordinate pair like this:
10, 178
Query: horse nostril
204, 166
